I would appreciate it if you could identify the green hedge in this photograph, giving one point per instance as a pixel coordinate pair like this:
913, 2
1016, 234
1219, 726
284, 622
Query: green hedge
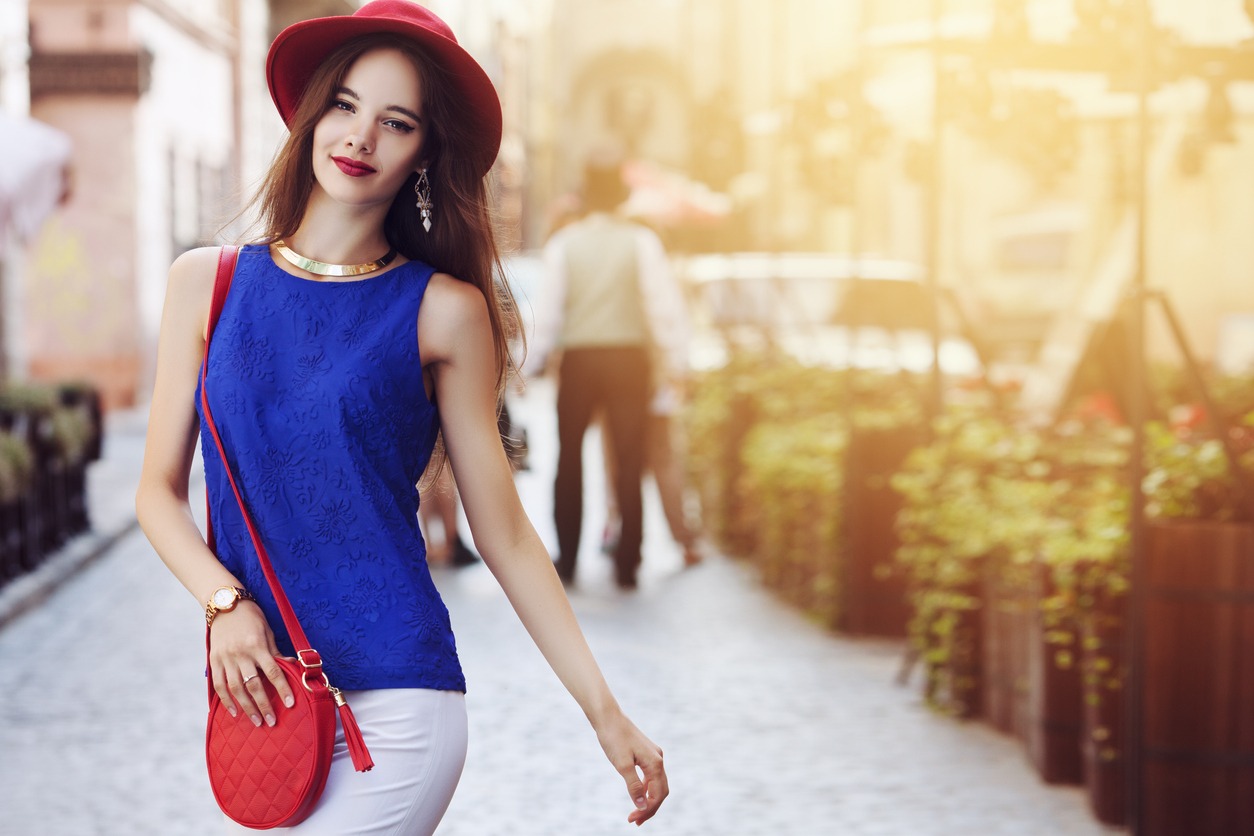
69, 430
986, 498
992, 500
990, 503
17, 467
767, 444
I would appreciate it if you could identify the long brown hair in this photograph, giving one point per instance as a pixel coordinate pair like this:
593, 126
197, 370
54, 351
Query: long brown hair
462, 241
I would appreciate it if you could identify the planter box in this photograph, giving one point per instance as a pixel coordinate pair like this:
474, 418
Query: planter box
791, 553
89, 399
872, 586
807, 577
54, 497
725, 513
1031, 687
28, 518
1055, 710
1104, 737
1008, 614
11, 544
956, 686
78, 519
1055, 696
1197, 740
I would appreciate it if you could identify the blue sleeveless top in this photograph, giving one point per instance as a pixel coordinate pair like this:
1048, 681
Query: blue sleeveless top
317, 391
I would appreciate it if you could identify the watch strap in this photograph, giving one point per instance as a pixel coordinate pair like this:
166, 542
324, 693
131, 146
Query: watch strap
212, 609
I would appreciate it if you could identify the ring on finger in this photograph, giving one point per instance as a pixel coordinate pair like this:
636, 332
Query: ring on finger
251, 676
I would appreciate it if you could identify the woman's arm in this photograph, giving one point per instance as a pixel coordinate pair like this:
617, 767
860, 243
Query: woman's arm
456, 346
242, 643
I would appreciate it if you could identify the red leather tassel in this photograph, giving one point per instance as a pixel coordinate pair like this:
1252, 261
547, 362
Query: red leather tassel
352, 736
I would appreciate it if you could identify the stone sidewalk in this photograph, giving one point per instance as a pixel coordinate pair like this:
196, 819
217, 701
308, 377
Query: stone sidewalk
770, 725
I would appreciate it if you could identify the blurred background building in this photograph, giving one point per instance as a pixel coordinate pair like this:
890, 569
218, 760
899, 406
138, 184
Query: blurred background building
990, 144
166, 109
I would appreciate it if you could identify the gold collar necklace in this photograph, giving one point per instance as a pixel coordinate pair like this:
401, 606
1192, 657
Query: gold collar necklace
321, 268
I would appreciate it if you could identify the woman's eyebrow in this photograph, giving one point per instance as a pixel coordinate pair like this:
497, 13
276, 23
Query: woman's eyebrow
404, 111
347, 91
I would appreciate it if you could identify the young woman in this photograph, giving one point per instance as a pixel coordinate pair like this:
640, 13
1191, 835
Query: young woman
364, 326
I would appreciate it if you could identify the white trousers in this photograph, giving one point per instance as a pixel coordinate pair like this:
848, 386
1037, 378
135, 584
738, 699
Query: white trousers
417, 739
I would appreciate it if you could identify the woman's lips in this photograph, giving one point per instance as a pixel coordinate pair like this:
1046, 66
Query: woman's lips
352, 168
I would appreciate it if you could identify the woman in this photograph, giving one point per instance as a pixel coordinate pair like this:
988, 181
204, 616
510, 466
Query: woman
370, 302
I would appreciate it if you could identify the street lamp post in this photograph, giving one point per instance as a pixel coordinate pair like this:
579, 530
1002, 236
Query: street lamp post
1135, 605
934, 209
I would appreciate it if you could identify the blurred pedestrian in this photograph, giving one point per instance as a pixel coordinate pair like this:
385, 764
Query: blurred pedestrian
609, 303
364, 326
441, 503
664, 455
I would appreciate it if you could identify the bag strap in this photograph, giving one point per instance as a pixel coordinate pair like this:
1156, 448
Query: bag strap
227, 258
222, 285
309, 659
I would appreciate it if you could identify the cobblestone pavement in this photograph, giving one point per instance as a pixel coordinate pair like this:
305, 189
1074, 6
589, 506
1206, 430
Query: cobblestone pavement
770, 725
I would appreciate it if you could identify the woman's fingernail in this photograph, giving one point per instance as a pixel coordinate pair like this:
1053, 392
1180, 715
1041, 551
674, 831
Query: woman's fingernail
232, 710
269, 719
288, 701
640, 805
256, 721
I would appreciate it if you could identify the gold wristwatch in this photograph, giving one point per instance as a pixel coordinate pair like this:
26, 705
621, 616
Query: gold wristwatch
224, 599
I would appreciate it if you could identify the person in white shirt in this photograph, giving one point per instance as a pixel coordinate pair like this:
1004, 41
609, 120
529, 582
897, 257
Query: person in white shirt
609, 302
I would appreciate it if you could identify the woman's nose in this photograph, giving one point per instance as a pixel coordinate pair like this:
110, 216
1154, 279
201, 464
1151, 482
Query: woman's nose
360, 139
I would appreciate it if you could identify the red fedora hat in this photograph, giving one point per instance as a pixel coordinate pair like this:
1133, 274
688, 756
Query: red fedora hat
301, 47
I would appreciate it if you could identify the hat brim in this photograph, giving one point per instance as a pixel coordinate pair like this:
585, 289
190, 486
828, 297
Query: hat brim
301, 47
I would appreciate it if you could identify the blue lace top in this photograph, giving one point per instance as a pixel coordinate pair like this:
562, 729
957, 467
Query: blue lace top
317, 391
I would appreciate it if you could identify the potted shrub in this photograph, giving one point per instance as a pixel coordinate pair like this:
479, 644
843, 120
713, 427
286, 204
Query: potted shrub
795, 470
724, 407
25, 411
86, 396
16, 471
782, 483
886, 422
1083, 556
61, 438
75, 438
944, 542
1197, 741
1199, 553
998, 519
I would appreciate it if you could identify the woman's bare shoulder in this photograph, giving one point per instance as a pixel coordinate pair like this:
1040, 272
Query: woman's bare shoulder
458, 303
452, 311
190, 287
195, 269
200, 260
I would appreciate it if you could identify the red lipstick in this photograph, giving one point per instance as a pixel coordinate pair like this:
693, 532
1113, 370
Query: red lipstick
353, 168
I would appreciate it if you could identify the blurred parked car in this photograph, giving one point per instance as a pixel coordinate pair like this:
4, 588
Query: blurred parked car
822, 308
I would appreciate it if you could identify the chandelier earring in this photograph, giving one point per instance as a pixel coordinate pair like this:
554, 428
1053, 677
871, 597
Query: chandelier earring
423, 190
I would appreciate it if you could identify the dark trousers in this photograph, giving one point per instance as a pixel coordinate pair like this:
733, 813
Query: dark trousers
613, 382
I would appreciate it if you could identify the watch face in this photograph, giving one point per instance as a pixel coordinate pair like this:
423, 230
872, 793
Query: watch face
224, 597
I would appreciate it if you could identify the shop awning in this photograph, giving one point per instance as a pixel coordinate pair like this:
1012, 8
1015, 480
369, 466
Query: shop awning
668, 197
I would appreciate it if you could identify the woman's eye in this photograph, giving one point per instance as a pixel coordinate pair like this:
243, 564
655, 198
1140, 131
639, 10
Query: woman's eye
396, 125
340, 104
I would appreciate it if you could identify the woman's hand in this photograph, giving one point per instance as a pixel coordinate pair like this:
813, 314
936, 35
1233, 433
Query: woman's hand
241, 654
639, 761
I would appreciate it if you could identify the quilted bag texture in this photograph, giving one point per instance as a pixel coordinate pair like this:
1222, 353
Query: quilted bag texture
265, 776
